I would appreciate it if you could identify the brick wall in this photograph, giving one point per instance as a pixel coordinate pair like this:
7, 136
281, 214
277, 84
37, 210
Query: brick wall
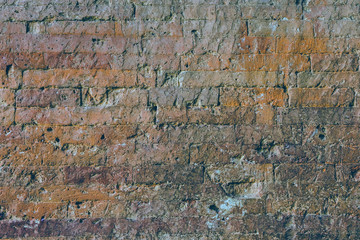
189, 119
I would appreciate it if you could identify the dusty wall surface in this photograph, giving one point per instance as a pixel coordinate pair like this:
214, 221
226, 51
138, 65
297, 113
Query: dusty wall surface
188, 119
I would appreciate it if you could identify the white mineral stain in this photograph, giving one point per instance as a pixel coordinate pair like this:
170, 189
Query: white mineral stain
180, 79
228, 204
273, 27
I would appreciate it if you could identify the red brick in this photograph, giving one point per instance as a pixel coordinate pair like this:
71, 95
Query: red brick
95, 28
78, 60
22, 60
48, 97
10, 78
89, 136
12, 27
56, 116
11, 135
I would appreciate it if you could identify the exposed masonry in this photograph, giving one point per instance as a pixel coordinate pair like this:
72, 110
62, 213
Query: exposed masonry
186, 119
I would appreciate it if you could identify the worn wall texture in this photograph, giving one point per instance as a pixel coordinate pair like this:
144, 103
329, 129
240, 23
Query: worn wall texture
179, 119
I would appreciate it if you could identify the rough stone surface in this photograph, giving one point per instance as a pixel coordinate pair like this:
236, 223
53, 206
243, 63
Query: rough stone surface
179, 119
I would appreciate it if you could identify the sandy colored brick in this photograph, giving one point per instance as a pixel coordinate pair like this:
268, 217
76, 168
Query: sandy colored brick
252, 96
321, 97
7, 115
334, 62
79, 77
7, 97
281, 28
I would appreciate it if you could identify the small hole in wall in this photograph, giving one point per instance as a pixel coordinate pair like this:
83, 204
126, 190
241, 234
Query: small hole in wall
322, 136
78, 203
214, 208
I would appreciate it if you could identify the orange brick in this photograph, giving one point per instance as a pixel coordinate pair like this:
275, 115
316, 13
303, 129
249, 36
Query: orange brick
34, 210
48, 97
297, 45
265, 114
254, 45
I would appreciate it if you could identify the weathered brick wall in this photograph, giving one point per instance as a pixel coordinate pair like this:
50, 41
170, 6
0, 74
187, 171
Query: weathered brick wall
180, 119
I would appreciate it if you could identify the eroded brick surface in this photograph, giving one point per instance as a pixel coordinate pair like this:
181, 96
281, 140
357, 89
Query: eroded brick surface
191, 119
